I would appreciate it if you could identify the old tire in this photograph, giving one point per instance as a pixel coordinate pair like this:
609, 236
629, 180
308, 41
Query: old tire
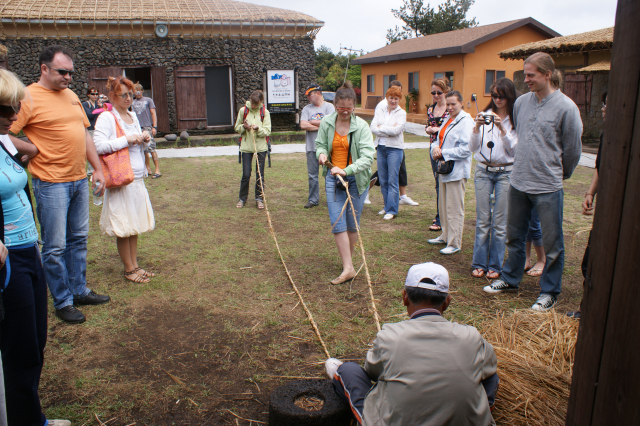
283, 411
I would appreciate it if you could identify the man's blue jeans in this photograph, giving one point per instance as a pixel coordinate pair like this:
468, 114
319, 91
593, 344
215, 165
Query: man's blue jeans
491, 229
389, 160
549, 207
63, 213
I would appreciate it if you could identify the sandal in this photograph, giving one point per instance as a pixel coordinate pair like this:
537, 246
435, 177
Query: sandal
260, 205
535, 272
145, 274
478, 273
133, 276
435, 227
240, 204
156, 175
493, 275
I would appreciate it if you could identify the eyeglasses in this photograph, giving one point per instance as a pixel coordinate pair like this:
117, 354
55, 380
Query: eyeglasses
126, 95
496, 96
8, 111
64, 72
345, 109
437, 93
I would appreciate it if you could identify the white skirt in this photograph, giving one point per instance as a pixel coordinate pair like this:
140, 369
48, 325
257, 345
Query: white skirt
127, 210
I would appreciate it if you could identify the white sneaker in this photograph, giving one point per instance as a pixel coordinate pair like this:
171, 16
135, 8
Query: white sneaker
331, 365
544, 302
58, 423
367, 200
438, 240
498, 286
406, 201
388, 216
381, 212
449, 250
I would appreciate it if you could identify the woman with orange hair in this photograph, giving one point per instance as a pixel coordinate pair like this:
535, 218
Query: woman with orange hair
388, 125
126, 211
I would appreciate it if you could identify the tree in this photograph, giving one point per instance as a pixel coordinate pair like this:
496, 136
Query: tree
330, 69
421, 20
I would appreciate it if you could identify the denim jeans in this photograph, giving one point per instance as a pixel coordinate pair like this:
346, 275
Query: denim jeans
535, 232
63, 212
247, 160
549, 207
389, 160
435, 176
491, 229
343, 221
312, 171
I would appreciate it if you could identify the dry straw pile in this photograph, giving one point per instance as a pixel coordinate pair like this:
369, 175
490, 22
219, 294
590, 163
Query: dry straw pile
535, 359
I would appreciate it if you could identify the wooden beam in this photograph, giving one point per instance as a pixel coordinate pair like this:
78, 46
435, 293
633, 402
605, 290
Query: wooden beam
605, 387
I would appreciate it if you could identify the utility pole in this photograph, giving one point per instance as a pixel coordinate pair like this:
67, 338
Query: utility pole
350, 50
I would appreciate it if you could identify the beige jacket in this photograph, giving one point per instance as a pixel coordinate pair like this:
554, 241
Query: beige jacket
428, 372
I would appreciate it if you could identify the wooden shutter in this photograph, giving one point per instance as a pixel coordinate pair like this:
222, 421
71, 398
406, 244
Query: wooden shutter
99, 76
159, 95
191, 100
578, 88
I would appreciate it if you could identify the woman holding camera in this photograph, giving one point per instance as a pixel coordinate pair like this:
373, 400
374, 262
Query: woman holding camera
494, 141
451, 152
437, 114
345, 142
126, 211
388, 125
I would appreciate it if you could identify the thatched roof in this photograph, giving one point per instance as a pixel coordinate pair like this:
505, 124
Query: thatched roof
583, 42
602, 66
449, 43
215, 17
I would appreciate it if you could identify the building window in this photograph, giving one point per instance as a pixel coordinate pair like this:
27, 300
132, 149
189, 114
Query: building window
371, 83
447, 74
414, 79
385, 82
490, 77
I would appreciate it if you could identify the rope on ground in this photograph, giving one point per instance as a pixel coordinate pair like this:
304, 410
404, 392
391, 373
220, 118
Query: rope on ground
273, 234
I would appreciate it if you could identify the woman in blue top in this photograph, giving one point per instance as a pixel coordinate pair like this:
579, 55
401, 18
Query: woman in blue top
23, 331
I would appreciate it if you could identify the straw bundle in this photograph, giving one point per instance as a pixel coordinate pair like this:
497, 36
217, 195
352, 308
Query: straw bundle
535, 359
583, 42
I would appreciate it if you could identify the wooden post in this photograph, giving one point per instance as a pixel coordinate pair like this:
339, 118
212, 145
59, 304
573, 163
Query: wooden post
605, 389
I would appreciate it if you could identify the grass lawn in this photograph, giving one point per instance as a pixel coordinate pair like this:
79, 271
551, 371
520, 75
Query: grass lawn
219, 321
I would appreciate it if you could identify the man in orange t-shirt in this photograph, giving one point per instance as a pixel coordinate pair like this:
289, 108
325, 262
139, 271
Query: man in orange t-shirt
53, 119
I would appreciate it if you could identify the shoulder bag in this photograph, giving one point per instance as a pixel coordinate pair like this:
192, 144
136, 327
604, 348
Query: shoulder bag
116, 167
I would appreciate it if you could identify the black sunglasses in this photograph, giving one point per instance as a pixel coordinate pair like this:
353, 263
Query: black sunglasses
64, 72
8, 111
496, 96
94, 93
437, 93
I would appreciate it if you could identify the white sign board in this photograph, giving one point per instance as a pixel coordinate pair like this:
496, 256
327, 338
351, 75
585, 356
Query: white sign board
281, 89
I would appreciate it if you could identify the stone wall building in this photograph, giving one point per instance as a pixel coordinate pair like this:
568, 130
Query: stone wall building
198, 59
584, 60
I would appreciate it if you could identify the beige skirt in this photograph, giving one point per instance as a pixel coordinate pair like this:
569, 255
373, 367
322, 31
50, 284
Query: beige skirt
127, 211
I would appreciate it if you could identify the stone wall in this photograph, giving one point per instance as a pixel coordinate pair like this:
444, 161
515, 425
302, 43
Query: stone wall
248, 58
592, 121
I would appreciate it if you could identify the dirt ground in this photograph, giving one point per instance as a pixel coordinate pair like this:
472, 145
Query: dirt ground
219, 328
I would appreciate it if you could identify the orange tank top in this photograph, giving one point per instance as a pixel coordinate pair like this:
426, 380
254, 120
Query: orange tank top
340, 151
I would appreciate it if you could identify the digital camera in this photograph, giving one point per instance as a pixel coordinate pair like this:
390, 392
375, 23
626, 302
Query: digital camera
488, 118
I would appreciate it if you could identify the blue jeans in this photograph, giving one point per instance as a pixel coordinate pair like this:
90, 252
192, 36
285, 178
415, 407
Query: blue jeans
63, 212
336, 199
389, 160
549, 207
535, 232
491, 230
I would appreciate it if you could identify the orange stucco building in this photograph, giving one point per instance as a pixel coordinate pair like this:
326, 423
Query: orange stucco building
468, 57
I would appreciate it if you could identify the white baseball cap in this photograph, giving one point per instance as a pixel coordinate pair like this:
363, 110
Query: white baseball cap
437, 273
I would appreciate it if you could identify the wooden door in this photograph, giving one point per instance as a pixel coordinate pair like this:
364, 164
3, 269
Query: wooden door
159, 96
578, 88
98, 77
191, 100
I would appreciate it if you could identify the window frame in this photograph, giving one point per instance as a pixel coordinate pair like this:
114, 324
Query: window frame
389, 80
412, 79
444, 75
495, 77
371, 83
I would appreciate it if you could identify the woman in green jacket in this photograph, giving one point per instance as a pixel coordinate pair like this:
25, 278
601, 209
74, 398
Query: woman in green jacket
346, 142
253, 121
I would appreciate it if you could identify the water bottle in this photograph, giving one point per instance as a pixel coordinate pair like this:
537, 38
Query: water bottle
97, 199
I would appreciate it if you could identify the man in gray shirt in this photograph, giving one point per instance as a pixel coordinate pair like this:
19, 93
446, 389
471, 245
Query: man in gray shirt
145, 109
549, 128
312, 114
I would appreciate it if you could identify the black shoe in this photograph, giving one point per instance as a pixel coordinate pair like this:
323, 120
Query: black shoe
92, 299
309, 205
70, 314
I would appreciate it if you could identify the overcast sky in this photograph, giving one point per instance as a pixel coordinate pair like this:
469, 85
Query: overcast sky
363, 24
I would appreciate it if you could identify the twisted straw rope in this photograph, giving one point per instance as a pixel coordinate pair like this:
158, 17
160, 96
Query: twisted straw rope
273, 234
